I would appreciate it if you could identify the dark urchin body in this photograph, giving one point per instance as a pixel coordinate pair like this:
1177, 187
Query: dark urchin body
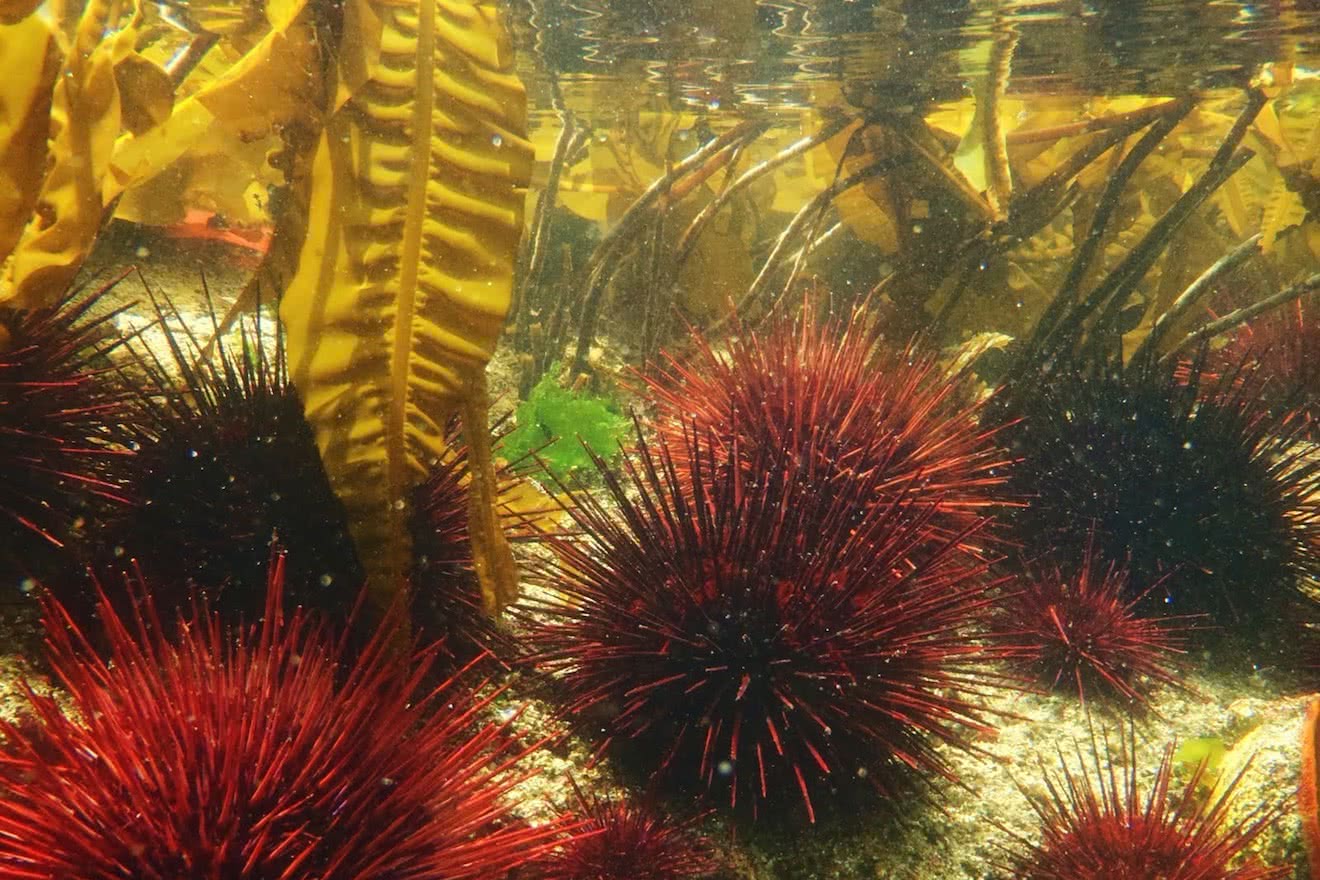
1191, 482
445, 593
227, 464
752, 637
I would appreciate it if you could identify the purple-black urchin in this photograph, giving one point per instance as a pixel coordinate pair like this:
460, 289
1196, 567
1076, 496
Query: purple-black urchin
760, 635
445, 594
226, 463
1085, 631
830, 389
61, 411
1100, 826
1191, 481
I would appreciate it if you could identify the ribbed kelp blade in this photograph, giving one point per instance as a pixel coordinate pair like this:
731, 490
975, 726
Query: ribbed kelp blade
406, 271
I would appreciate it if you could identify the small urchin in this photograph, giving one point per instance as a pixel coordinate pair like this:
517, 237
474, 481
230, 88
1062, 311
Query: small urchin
1084, 630
752, 636
445, 592
623, 839
1099, 823
260, 753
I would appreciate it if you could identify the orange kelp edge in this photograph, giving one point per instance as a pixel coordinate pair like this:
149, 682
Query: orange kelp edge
1307, 800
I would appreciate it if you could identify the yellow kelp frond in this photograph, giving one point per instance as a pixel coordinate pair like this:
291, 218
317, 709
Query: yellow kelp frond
32, 61
86, 115
406, 271
279, 82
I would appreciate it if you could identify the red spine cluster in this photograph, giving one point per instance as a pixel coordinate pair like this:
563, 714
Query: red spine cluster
265, 754
829, 389
60, 416
1098, 823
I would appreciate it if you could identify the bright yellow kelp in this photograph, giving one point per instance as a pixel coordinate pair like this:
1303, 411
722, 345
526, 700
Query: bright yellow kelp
405, 274
32, 61
277, 83
87, 111
86, 116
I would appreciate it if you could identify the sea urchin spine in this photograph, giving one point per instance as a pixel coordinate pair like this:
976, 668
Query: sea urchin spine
59, 417
1103, 827
830, 389
762, 635
254, 757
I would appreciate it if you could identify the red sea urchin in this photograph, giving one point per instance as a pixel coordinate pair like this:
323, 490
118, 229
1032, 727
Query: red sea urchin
1283, 346
757, 636
1102, 828
622, 840
59, 411
832, 388
255, 757
1086, 630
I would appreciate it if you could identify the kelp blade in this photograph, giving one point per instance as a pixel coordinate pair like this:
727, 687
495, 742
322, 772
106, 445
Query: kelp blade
85, 118
406, 272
